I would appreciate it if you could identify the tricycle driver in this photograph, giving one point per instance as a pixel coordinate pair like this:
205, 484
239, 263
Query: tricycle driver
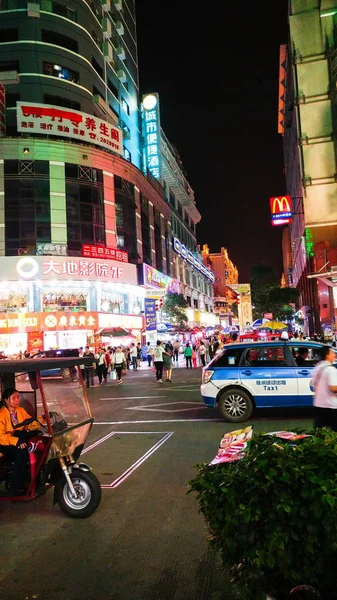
14, 440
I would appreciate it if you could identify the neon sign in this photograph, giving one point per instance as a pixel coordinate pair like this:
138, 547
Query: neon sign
180, 249
151, 131
281, 210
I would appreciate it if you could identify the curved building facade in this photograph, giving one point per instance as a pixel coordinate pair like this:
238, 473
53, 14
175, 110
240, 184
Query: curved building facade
83, 232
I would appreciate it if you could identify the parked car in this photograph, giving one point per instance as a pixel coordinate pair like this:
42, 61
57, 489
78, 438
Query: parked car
58, 353
253, 375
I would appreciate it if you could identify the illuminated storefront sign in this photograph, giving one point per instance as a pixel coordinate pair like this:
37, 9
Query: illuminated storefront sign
95, 251
180, 249
59, 321
75, 268
281, 210
155, 279
68, 123
151, 128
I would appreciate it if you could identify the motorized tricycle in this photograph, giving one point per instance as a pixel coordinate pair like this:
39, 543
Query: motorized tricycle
55, 448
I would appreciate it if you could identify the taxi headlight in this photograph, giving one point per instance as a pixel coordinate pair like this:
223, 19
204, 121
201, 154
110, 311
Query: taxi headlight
207, 376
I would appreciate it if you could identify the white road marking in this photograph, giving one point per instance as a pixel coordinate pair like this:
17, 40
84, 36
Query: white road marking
159, 421
103, 439
132, 397
153, 407
138, 463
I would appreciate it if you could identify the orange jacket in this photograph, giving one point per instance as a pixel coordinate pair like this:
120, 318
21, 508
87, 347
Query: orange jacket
6, 428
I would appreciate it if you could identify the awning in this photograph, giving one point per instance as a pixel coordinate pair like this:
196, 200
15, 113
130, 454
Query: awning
324, 277
114, 332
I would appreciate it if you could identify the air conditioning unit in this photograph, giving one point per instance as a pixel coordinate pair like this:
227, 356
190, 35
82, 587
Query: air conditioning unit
105, 109
9, 77
333, 269
106, 27
119, 27
108, 52
120, 52
118, 4
106, 5
33, 9
121, 76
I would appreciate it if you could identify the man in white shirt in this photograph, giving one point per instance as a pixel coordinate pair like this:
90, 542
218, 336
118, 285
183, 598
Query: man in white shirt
324, 381
133, 356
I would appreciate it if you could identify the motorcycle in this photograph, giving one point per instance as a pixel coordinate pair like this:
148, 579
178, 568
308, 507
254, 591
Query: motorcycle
55, 448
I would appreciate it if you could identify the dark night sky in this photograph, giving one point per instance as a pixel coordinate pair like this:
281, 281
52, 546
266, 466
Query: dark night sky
216, 72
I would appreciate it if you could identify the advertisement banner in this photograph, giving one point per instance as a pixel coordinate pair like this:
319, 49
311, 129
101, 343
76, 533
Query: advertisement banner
35, 341
28, 268
150, 314
150, 277
126, 321
244, 297
68, 123
36, 324
98, 251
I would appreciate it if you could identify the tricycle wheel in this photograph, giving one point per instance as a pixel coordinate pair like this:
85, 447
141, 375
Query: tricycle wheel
88, 494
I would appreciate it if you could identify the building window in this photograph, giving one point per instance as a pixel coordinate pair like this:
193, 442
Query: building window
8, 35
52, 37
127, 154
61, 72
97, 66
146, 231
62, 10
112, 88
96, 92
9, 65
85, 206
172, 199
195, 303
158, 239
59, 101
125, 106
11, 100
12, 4
27, 205
126, 216
180, 209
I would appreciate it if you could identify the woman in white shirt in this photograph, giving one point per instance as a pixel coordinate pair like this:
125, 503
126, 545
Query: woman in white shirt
118, 361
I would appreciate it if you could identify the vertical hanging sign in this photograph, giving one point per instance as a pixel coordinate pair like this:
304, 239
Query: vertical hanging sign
151, 134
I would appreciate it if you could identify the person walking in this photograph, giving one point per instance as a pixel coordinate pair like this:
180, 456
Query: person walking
139, 354
133, 355
119, 362
202, 354
101, 368
324, 382
194, 357
149, 353
89, 369
158, 353
176, 348
188, 355
167, 359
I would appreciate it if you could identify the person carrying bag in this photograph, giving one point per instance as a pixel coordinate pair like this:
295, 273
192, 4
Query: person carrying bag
119, 363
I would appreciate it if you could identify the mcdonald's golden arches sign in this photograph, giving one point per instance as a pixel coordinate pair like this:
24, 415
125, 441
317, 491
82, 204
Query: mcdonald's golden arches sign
281, 210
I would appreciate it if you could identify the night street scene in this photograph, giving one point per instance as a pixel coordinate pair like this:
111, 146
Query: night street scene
168, 313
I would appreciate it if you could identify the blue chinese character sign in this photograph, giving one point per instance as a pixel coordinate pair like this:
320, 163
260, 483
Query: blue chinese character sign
151, 134
150, 314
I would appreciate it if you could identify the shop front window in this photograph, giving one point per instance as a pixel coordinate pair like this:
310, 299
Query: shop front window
112, 303
13, 302
67, 299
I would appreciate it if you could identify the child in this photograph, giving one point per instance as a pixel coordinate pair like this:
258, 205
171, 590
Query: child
194, 357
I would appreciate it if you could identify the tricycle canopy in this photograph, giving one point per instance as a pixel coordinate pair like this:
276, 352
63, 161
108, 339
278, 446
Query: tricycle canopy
64, 393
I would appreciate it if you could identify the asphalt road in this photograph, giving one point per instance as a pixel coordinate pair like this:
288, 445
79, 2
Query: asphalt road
147, 539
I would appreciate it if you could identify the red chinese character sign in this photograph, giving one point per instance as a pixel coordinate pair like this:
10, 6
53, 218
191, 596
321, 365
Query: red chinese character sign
68, 123
281, 210
95, 251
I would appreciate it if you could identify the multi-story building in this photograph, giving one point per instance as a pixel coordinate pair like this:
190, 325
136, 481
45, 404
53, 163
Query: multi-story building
225, 274
85, 230
79, 221
163, 163
307, 121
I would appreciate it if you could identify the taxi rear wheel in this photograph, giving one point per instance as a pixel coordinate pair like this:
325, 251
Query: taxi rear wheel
235, 405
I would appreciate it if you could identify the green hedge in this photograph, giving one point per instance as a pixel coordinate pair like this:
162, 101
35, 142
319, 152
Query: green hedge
273, 514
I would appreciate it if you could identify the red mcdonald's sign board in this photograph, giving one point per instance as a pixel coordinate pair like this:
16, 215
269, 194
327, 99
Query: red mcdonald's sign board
281, 210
